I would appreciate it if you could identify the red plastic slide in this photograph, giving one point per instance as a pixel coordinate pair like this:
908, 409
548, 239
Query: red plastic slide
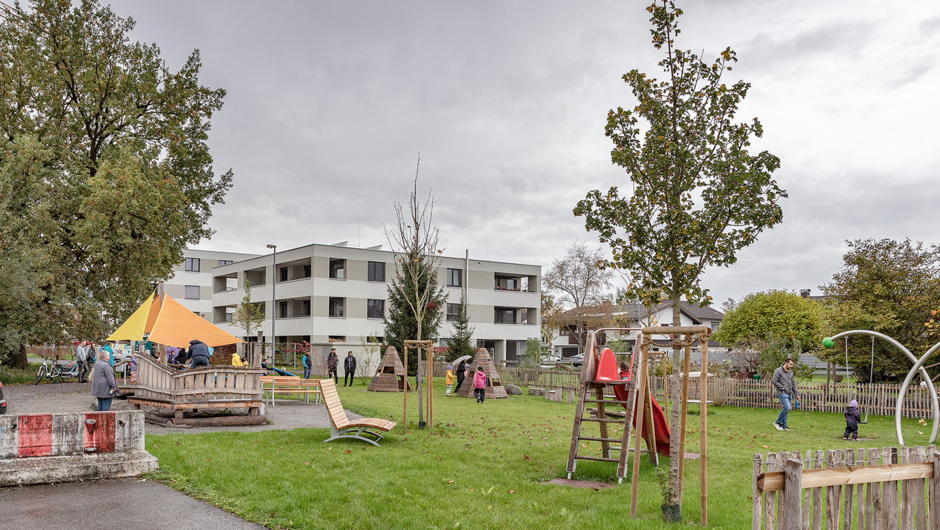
606, 371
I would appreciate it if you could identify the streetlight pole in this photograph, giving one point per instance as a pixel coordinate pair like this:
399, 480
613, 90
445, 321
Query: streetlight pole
273, 304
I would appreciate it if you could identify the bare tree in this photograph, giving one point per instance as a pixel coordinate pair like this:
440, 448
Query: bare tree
580, 282
414, 294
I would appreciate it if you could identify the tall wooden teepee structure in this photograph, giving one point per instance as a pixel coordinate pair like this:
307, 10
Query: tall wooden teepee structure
494, 387
391, 376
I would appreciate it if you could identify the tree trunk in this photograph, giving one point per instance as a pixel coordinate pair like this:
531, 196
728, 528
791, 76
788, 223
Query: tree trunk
675, 395
18, 359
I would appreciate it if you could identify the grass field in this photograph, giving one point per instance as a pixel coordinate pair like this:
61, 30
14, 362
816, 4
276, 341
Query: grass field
482, 466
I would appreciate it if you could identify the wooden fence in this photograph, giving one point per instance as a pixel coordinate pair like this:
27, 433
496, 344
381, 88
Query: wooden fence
58, 352
875, 399
846, 489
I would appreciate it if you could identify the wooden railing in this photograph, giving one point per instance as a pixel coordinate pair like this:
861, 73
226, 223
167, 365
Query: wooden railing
874, 399
880, 488
158, 381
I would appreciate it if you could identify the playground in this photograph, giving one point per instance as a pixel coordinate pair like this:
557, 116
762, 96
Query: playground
482, 466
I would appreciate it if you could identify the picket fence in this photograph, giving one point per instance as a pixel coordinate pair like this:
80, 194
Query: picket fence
846, 489
874, 399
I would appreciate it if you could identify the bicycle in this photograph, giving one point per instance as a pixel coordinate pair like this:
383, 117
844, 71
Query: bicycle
56, 371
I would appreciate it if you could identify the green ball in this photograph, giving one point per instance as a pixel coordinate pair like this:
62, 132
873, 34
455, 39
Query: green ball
827, 342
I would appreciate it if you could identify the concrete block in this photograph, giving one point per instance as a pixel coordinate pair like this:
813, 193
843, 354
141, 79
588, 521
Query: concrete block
533, 391
50, 469
45, 448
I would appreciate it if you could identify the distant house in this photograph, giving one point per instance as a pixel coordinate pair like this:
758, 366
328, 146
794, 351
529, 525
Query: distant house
576, 324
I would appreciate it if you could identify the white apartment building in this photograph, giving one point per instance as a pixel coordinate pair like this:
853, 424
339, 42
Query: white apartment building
191, 282
336, 296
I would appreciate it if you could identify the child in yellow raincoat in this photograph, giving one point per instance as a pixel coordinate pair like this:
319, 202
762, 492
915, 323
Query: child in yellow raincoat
236, 360
449, 379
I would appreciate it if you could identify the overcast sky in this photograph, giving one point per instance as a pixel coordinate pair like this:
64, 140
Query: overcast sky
329, 104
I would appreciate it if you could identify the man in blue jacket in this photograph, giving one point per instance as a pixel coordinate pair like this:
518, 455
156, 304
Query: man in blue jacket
200, 353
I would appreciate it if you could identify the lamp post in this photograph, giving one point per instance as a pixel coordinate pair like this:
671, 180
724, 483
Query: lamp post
274, 303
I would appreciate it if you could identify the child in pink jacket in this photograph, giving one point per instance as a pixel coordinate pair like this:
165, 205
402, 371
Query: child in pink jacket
479, 384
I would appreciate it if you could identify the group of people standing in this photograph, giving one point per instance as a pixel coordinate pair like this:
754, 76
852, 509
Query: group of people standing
332, 364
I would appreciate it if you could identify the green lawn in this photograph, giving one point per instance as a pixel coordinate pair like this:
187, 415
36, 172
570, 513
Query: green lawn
483, 466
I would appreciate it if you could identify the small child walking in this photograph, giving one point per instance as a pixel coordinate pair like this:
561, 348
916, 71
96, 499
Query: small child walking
449, 379
852, 417
479, 384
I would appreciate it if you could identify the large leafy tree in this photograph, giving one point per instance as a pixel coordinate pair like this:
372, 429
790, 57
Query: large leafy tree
766, 325
779, 314
698, 195
886, 286
105, 168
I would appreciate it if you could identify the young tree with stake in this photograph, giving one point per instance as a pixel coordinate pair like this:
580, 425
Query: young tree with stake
698, 194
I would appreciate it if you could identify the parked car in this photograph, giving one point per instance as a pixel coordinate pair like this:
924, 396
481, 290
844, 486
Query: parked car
577, 360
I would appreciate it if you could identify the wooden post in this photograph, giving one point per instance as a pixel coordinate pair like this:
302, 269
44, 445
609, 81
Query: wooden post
906, 505
770, 498
640, 409
792, 491
934, 489
703, 427
889, 493
756, 493
404, 412
849, 490
683, 416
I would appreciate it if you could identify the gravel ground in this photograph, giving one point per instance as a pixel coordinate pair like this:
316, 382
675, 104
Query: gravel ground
76, 397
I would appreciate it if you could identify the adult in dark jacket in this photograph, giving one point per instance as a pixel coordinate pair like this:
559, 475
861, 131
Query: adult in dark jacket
461, 374
103, 385
332, 360
349, 366
785, 385
199, 352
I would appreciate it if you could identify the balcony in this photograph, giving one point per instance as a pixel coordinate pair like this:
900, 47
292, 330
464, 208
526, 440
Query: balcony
515, 283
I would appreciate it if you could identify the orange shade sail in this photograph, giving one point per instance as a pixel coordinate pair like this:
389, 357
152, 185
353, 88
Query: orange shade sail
172, 325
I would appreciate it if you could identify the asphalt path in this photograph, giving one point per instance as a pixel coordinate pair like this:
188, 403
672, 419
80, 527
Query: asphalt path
126, 504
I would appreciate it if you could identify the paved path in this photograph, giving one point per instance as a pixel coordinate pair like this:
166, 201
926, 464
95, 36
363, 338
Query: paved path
116, 503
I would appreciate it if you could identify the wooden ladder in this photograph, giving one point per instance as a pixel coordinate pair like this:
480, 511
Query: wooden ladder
584, 396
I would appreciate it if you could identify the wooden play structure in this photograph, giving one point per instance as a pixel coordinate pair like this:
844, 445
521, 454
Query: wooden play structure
341, 427
207, 389
391, 376
494, 386
599, 374
165, 322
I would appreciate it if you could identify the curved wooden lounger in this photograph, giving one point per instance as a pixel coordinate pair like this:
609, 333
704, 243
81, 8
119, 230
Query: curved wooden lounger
340, 425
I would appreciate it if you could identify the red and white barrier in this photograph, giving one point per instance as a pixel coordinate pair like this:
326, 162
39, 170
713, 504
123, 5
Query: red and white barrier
77, 446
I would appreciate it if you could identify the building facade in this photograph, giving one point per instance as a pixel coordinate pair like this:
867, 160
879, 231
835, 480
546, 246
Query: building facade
336, 296
191, 283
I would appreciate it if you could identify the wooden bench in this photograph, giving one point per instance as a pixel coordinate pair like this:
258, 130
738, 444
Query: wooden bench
340, 425
290, 385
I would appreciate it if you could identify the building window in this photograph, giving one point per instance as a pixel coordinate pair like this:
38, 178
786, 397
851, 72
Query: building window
283, 274
505, 316
563, 332
228, 317
715, 325
376, 309
376, 271
225, 262
282, 313
338, 269
192, 264
337, 338
454, 277
337, 307
192, 292
453, 312
306, 308
306, 271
